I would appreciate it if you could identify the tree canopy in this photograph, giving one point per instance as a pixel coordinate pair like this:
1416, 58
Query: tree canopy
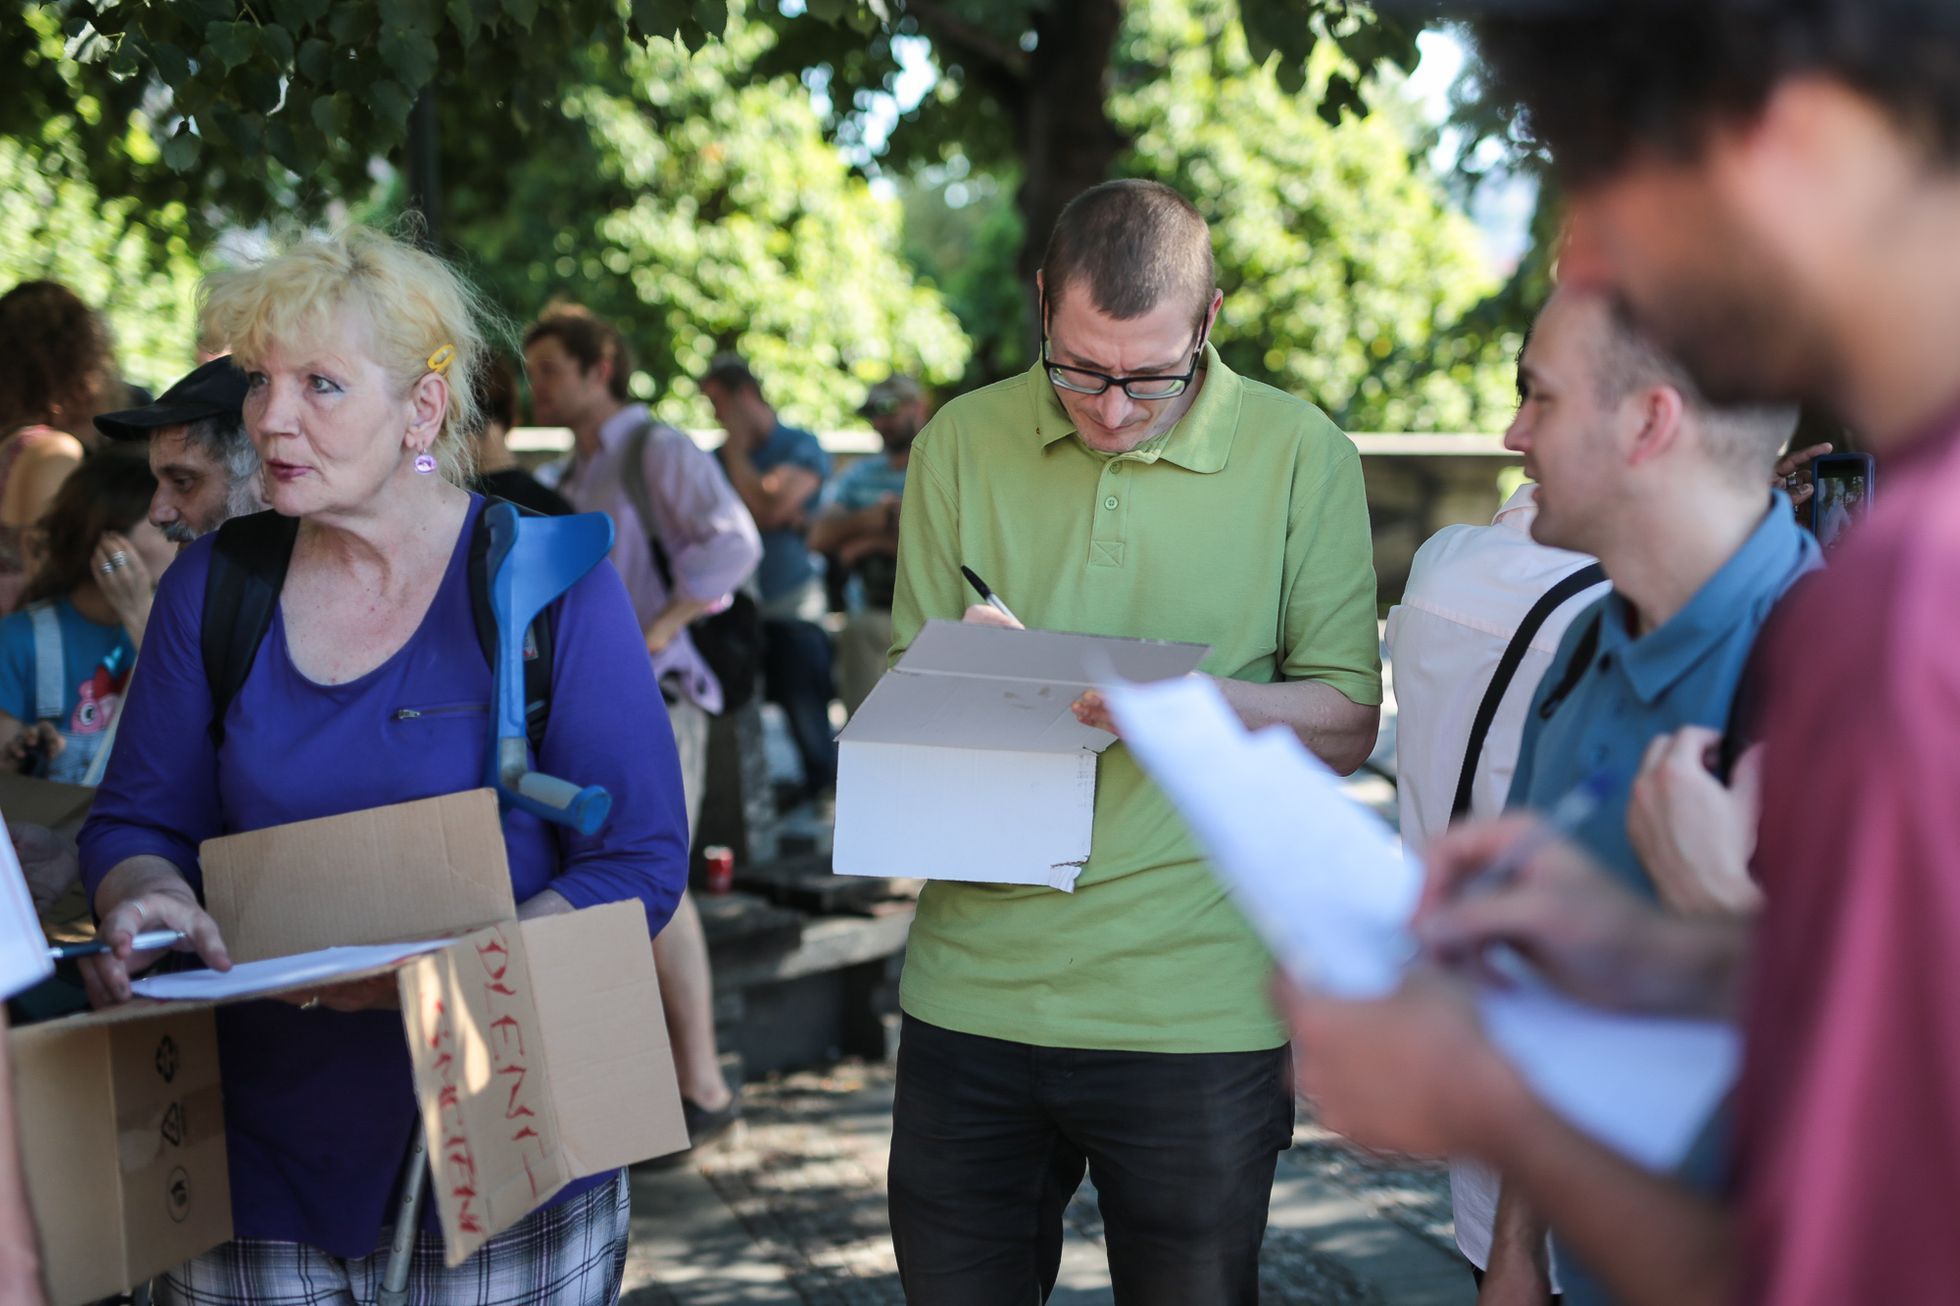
1349, 278
702, 209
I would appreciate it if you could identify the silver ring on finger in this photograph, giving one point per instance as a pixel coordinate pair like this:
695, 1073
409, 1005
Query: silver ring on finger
107, 568
119, 558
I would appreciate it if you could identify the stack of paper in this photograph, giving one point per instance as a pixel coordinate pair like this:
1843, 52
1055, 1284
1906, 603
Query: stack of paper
1330, 889
23, 948
278, 974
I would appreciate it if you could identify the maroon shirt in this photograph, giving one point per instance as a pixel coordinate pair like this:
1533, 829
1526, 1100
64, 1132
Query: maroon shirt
1848, 1118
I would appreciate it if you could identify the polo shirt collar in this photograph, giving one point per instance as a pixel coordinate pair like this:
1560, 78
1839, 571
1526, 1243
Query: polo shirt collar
1199, 442
1753, 578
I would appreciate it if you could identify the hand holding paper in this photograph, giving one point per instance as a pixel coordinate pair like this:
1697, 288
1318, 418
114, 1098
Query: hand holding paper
1327, 886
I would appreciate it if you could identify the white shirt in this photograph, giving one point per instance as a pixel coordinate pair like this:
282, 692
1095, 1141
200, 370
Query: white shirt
1468, 592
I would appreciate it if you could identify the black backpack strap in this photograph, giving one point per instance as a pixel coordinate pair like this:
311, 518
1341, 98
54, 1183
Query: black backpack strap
537, 638
1745, 722
241, 593
1549, 602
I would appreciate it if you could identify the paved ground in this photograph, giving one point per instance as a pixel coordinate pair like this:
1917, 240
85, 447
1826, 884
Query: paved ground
792, 1213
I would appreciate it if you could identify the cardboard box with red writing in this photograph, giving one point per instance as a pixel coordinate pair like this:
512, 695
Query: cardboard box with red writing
539, 1051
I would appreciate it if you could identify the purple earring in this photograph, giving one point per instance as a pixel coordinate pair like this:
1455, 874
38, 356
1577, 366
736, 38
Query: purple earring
425, 463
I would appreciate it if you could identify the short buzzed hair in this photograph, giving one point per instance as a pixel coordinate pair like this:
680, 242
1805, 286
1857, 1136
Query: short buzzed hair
731, 372
1744, 439
1134, 245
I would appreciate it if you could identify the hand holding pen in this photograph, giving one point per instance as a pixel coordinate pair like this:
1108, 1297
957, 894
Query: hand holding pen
990, 611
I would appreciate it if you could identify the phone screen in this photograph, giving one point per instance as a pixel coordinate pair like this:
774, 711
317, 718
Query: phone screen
1844, 494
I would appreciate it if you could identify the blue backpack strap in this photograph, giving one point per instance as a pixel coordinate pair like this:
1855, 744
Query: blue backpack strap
241, 593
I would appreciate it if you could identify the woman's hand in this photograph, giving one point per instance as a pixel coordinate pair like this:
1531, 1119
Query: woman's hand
124, 581
150, 900
32, 735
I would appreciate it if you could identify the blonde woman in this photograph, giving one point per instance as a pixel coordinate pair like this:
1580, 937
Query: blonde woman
369, 688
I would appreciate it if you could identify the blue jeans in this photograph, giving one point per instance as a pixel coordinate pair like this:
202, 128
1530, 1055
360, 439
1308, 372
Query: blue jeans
990, 1140
796, 677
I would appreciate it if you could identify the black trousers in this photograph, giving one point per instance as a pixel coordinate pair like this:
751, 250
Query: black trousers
990, 1139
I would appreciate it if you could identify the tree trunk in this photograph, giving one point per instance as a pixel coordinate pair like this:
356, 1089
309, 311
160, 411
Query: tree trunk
1067, 141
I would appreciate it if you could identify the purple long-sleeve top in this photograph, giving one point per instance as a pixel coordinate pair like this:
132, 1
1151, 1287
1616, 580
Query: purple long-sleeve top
319, 1105
711, 541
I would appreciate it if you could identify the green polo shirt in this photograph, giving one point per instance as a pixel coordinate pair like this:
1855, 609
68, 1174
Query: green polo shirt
1244, 527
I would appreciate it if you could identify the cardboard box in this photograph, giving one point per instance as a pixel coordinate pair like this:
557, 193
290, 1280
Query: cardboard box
965, 763
44, 802
538, 1047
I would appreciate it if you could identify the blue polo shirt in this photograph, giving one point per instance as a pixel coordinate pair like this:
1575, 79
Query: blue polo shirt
786, 561
1684, 673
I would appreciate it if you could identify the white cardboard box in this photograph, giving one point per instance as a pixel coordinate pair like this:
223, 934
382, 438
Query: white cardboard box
965, 762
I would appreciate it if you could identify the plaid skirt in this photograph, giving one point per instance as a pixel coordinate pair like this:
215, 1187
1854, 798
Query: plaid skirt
573, 1254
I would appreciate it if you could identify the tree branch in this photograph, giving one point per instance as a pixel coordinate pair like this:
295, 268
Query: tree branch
997, 58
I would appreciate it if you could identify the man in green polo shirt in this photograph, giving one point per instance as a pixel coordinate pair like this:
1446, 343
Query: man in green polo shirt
1129, 484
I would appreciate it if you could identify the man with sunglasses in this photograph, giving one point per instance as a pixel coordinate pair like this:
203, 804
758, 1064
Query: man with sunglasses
1128, 484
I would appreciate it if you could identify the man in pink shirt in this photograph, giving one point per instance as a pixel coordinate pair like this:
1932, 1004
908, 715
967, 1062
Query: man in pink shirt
1774, 188
578, 368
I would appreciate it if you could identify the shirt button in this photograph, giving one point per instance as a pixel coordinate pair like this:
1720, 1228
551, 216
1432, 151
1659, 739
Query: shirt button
1116, 469
1110, 502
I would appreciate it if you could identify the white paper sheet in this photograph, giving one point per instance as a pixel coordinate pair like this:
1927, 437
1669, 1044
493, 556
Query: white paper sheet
1327, 885
23, 948
275, 973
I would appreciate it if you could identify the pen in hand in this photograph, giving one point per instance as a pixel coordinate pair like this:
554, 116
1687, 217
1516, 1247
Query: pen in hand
1561, 822
152, 941
987, 596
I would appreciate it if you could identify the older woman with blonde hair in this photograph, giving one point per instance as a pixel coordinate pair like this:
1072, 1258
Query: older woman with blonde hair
369, 688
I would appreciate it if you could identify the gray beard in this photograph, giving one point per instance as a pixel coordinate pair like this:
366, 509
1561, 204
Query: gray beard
179, 533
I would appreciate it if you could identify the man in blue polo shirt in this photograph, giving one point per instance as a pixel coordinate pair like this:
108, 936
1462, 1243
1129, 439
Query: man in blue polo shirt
779, 470
1636, 468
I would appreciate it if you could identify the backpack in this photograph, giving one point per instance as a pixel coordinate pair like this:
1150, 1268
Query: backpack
729, 641
1568, 588
248, 569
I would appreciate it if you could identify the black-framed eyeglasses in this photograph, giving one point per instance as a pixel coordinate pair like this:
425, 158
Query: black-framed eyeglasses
1088, 381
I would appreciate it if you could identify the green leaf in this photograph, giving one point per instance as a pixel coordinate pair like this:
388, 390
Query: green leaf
233, 43
234, 131
315, 62
390, 104
414, 15
296, 14
410, 56
283, 144
654, 17
351, 24
172, 64
712, 15
257, 88
525, 12
180, 151
332, 114
462, 16
277, 42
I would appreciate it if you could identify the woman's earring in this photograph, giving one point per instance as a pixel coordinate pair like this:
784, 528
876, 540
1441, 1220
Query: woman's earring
425, 463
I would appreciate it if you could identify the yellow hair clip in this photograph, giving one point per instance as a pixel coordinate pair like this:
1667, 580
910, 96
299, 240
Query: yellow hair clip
440, 360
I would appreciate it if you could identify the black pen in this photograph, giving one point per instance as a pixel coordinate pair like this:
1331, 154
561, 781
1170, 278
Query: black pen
988, 596
150, 942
